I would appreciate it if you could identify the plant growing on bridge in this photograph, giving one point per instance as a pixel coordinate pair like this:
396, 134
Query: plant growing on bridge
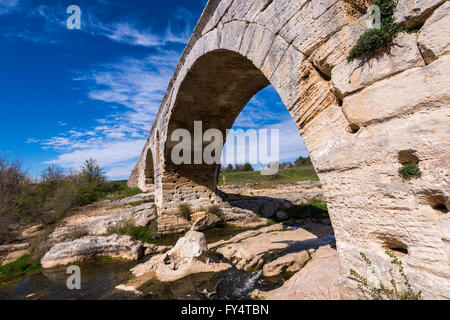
373, 39
380, 291
185, 211
410, 171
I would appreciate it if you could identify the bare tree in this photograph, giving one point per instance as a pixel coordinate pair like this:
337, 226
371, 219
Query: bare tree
13, 181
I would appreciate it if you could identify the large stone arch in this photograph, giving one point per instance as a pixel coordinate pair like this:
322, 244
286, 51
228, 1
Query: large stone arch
357, 119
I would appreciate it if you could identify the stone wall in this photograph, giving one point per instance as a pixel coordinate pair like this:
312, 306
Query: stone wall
358, 120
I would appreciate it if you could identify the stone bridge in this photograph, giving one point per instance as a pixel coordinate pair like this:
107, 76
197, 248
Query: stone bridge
360, 120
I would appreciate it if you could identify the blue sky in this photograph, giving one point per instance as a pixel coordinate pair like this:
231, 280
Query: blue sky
67, 95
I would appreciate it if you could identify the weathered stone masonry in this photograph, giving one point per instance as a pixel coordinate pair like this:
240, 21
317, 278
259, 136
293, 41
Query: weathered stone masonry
358, 120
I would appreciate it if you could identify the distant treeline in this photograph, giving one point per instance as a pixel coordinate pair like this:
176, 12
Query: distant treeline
300, 162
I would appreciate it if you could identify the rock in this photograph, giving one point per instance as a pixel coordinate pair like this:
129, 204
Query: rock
14, 255
282, 215
115, 246
348, 77
152, 249
265, 206
434, 38
101, 220
250, 249
400, 95
411, 13
291, 262
203, 221
188, 256
242, 218
318, 280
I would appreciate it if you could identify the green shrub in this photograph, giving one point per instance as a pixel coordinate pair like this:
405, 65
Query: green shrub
374, 39
215, 210
380, 291
410, 171
185, 211
129, 228
21, 266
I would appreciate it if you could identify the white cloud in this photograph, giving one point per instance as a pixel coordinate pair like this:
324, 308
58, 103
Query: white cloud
134, 89
112, 156
7, 6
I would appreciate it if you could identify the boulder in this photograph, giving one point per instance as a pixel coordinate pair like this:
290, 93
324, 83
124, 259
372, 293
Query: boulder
188, 256
115, 246
291, 262
252, 248
203, 221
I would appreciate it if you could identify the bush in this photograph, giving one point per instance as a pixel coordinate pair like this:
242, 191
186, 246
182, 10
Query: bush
410, 171
380, 291
374, 39
21, 266
247, 167
185, 211
129, 228
215, 210
301, 162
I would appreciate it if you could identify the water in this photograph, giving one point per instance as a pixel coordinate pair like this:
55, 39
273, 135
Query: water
100, 277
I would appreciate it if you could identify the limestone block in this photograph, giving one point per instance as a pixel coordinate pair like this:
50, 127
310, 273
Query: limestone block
434, 37
315, 96
316, 32
260, 45
217, 15
411, 13
278, 13
276, 53
410, 91
231, 35
348, 77
305, 19
336, 49
286, 78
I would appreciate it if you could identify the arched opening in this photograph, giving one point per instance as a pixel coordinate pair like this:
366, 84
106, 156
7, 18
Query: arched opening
214, 92
149, 170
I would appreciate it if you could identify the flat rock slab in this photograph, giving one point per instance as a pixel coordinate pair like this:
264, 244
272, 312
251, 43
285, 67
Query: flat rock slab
248, 249
318, 280
115, 246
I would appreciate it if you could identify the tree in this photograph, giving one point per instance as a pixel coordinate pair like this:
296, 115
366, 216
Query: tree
247, 167
91, 172
229, 168
52, 176
300, 162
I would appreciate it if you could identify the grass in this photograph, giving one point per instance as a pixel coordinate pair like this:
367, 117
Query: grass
21, 266
284, 176
129, 228
410, 171
372, 40
215, 210
313, 208
185, 211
